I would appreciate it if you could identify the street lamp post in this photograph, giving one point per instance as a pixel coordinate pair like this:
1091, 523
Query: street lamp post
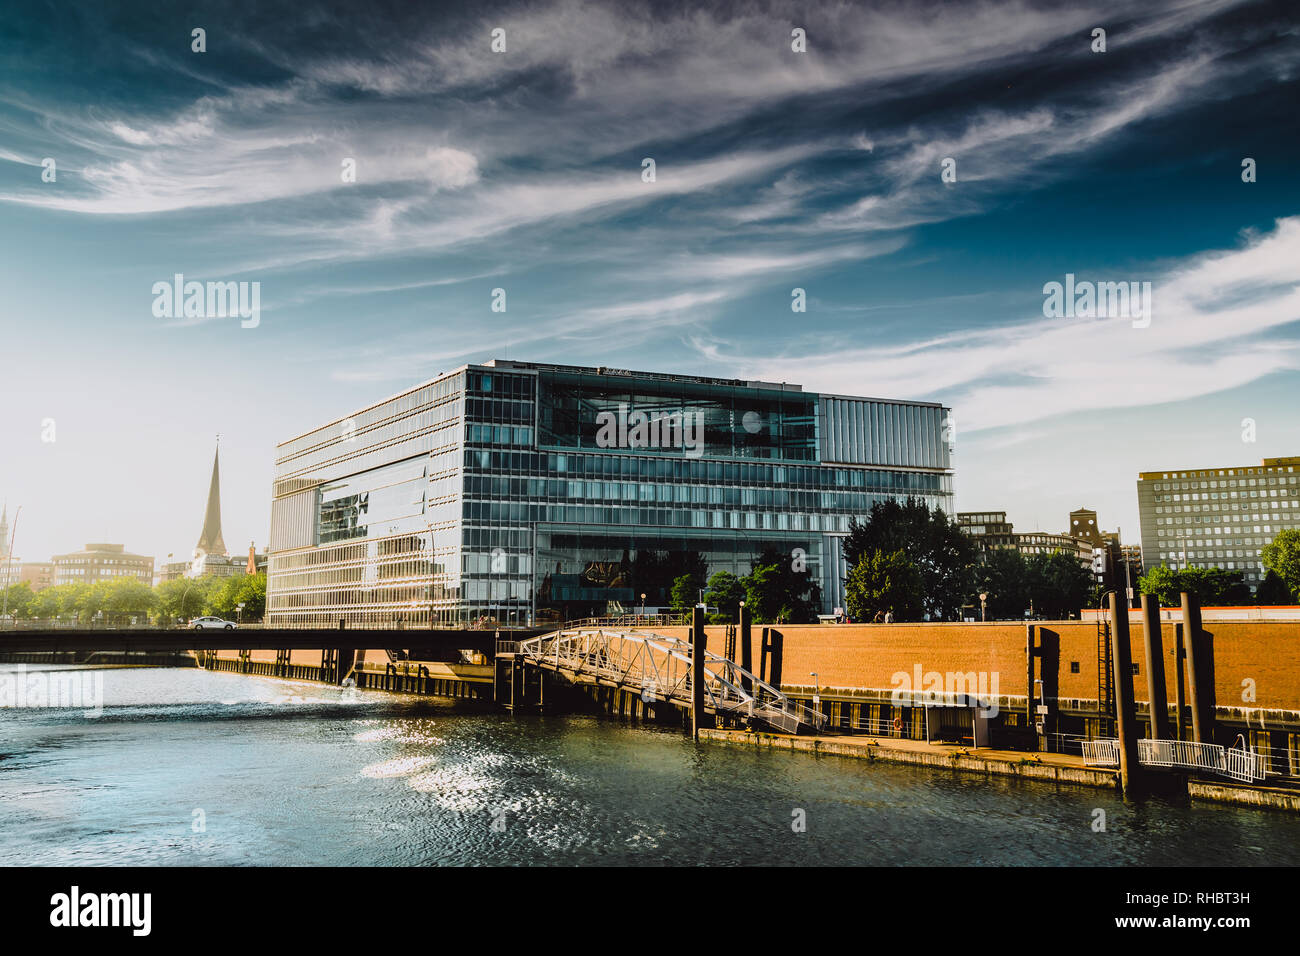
643, 604
983, 604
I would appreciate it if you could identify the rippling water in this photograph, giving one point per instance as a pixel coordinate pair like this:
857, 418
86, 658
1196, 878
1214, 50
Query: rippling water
298, 773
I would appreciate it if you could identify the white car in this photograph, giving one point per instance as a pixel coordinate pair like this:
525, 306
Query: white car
207, 623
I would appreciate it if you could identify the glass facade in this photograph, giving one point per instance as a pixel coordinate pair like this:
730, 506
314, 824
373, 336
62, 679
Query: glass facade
515, 493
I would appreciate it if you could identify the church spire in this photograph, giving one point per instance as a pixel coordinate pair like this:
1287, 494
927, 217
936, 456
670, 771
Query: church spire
210, 540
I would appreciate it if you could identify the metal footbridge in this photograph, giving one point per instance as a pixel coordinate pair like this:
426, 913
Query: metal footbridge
659, 668
1241, 764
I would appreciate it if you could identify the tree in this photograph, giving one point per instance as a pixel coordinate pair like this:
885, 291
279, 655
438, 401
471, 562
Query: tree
1003, 577
127, 598
725, 592
184, 598
938, 549
1273, 590
46, 604
780, 589
1059, 586
1282, 556
225, 597
686, 592
1163, 583
19, 599
885, 583
1211, 586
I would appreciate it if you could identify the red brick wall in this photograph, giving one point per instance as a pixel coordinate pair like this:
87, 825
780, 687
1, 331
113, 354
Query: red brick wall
867, 656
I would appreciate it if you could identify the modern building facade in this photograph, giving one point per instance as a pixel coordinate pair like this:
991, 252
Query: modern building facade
515, 492
1218, 517
101, 562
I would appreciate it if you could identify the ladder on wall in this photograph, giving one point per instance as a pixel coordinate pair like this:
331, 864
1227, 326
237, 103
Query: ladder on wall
1105, 681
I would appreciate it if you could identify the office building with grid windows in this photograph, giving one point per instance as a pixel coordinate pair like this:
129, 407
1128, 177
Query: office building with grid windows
1218, 517
518, 493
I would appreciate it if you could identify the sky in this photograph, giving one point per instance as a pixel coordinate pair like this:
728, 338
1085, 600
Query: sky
775, 169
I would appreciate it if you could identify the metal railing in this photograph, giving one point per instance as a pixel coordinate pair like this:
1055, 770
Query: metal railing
1181, 753
1244, 765
1239, 763
1101, 753
630, 620
661, 667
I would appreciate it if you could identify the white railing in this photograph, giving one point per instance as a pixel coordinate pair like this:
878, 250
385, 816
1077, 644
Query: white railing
1238, 763
1100, 753
1244, 765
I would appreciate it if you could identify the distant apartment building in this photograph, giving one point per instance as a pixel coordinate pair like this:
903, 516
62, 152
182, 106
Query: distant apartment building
101, 562
991, 531
1218, 517
1047, 542
36, 574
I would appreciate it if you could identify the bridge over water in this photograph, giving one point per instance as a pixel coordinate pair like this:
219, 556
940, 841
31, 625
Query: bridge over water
431, 645
656, 669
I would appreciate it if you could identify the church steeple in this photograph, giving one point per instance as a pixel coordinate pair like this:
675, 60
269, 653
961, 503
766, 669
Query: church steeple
210, 540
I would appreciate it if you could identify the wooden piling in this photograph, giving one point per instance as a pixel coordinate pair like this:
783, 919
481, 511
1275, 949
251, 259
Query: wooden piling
698, 643
1157, 696
1130, 769
1199, 686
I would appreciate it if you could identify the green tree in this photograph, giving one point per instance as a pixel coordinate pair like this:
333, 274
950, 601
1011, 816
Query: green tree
1059, 586
1163, 583
247, 589
127, 598
47, 604
1211, 586
19, 599
1003, 577
780, 589
184, 598
1273, 591
1282, 556
686, 592
725, 592
885, 583
937, 548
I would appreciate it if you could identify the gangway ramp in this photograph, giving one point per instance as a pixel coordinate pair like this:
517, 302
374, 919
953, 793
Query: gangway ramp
658, 666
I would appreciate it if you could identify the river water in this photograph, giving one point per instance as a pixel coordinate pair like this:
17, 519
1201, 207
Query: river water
190, 767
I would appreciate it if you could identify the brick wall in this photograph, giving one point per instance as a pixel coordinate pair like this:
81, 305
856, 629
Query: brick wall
867, 656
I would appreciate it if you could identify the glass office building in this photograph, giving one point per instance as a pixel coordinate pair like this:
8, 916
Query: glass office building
522, 493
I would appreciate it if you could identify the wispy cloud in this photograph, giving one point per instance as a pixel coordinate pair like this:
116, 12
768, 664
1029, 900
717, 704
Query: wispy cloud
1207, 334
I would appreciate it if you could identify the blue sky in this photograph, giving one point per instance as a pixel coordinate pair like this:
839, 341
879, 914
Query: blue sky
522, 170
